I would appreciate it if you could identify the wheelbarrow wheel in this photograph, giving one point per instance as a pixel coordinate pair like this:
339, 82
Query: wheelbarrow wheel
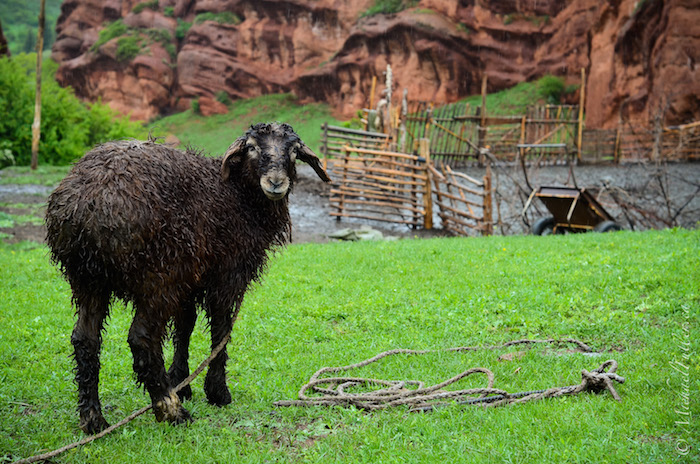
607, 226
543, 226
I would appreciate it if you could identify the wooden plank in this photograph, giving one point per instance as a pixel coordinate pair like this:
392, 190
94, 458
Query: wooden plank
459, 212
375, 218
399, 205
345, 130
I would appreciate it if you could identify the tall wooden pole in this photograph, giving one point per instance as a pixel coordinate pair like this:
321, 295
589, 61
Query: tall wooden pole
36, 125
482, 123
581, 104
424, 145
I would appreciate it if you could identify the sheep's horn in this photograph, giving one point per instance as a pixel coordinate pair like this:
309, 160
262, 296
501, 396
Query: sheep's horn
309, 157
234, 151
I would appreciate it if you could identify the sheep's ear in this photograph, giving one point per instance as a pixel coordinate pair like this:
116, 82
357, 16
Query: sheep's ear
234, 154
309, 157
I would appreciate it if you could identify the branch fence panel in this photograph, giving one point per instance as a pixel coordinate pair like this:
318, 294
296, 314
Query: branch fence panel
334, 139
380, 185
464, 203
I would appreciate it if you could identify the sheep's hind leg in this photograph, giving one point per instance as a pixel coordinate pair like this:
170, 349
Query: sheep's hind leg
92, 310
215, 382
145, 339
179, 369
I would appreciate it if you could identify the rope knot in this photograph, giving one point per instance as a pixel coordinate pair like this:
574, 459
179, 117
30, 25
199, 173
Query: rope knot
598, 380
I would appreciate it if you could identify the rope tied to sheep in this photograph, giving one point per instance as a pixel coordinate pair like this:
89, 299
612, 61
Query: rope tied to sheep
130, 417
330, 391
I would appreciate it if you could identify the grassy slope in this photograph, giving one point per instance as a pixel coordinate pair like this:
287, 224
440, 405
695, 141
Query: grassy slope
629, 294
215, 133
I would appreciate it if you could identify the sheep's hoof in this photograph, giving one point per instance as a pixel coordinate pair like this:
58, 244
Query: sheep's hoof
92, 422
170, 409
218, 397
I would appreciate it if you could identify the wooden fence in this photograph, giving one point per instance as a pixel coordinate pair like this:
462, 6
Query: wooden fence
636, 142
334, 139
464, 203
382, 186
459, 132
401, 188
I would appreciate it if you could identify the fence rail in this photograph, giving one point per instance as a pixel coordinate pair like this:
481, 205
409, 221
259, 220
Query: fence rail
382, 186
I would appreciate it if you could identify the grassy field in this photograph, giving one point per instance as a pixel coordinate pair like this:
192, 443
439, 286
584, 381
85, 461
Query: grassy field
633, 296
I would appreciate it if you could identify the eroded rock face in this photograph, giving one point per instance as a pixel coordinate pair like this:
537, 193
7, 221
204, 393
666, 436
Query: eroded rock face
640, 57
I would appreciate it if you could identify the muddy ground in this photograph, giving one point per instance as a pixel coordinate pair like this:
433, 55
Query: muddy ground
639, 197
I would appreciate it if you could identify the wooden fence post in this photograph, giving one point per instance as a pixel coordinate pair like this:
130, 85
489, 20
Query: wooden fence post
428, 190
482, 122
488, 205
581, 103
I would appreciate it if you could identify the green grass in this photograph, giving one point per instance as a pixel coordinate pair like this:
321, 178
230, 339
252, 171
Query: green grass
45, 175
214, 134
632, 295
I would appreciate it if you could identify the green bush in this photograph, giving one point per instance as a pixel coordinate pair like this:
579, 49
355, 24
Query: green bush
181, 29
223, 97
68, 127
6, 156
551, 88
152, 4
225, 17
389, 7
128, 47
194, 105
111, 31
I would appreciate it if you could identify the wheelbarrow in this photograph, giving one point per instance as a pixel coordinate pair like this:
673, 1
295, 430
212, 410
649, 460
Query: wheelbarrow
572, 210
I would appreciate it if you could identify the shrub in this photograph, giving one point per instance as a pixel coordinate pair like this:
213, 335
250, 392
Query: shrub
194, 104
6, 156
550, 88
128, 47
152, 4
182, 28
111, 31
68, 127
223, 97
225, 17
389, 7
169, 11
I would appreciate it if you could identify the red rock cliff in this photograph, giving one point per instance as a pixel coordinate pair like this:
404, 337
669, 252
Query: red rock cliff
641, 57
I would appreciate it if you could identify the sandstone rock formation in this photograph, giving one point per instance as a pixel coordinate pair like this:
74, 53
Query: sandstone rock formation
641, 56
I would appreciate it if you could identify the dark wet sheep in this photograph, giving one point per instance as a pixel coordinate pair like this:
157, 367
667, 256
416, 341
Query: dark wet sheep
170, 232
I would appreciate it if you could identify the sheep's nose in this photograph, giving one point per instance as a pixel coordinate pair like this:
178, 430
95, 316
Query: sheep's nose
276, 184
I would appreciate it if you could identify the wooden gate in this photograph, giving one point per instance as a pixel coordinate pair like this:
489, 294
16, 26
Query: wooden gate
382, 186
464, 203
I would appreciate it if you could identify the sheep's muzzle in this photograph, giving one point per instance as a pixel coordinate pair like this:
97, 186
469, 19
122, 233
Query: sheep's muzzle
275, 184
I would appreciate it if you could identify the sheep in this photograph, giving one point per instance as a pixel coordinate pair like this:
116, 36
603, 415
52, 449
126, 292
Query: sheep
171, 232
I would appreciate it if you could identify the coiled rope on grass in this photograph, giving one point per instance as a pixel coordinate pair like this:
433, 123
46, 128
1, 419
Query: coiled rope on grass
331, 391
394, 394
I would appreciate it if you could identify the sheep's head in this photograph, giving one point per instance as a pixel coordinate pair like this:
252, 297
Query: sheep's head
268, 152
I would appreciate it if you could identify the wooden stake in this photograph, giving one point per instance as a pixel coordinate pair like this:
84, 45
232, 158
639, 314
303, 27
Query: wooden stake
581, 103
36, 125
428, 191
482, 123
488, 208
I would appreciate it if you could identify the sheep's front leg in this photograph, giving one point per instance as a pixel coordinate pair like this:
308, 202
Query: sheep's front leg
179, 369
145, 339
215, 383
87, 341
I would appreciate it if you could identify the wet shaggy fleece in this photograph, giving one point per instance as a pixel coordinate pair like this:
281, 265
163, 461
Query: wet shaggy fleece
171, 232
